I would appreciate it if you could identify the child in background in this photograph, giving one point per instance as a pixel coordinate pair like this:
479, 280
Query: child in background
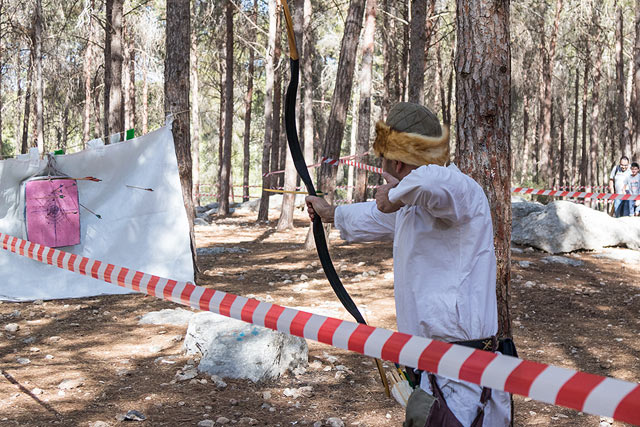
632, 186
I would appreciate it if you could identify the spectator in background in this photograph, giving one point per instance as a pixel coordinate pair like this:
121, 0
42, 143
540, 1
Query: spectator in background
617, 180
633, 187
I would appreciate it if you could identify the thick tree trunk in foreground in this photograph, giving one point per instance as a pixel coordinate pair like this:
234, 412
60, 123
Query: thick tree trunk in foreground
341, 95
39, 78
263, 211
364, 110
225, 169
176, 99
483, 82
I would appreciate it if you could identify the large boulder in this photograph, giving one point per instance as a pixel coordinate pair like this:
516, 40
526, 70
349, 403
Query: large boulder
231, 348
563, 226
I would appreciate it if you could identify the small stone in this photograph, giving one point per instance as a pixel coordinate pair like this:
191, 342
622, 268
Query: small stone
29, 340
529, 284
222, 420
99, 424
187, 374
317, 424
71, 384
525, 264
134, 415
266, 395
34, 349
49, 357
304, 277
335, 422
218, 381
233, 402
286, 282
37, 391
23, 360
272, 409
248, 421
38, 302
54, 338
206, 423
12, 328
181, 403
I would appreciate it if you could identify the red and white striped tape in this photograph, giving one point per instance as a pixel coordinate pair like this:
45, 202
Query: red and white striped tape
575, 194
585, 392
353, 163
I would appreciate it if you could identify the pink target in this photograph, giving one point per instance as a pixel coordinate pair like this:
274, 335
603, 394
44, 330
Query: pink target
52, 211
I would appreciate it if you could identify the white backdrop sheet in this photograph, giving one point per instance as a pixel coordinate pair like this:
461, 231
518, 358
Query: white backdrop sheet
141, 230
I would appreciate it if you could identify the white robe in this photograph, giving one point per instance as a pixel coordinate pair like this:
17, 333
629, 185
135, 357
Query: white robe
444, 268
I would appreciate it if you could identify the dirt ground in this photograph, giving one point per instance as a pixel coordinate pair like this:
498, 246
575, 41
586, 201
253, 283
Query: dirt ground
584, 318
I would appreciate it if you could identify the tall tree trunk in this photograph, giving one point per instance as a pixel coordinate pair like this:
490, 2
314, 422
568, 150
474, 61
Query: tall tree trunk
195, 118
307, 86
246, 164
561, 169
87, 66
27, 106
126, 100
584, 160
176, 98
418, 39
228, 119
364, 109
107, 65
574, 151
390, 38
635, 94
145, 96
115, 110
524, 169
222, 78
403, 69
277, 112
548, 61
263, 211
341, 95
623, 134
132, 82
39, 78
483, 82
594, 128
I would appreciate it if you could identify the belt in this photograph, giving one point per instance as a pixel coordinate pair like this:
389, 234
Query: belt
505, 346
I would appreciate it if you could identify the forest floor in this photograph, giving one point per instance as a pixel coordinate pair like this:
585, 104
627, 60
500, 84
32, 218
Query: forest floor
86, 362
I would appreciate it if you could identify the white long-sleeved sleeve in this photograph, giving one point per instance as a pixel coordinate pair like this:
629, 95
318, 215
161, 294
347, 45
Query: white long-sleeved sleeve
363, 222
444, 192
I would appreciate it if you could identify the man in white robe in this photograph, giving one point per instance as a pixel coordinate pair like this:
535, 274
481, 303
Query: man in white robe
444, 261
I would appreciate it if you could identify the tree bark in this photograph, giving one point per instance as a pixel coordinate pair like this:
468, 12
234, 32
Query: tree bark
635, 94
574, 151
87, 66
594, 128
263, 211
246, 157
39, 82
623, 133
195, 118
307, 86
114, 62
27, 107
176, 98
145, 97
548, 61
417, 47
483, 82
277, 112
341, 95
391, 93
228, 119
584, 160
364, 109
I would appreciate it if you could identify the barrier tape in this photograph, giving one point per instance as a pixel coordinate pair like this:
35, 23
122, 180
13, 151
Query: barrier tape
353, 163
594, 394
575, 194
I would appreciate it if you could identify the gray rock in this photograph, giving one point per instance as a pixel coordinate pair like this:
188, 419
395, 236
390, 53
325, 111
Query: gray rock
335, 422
99, 424
200, 221
12, 328
71, 384
222, 420
522, 209
206, 423
176, 316
134, 415
220, 250
23, 360
563, 226
525, 264
555, 259
234, 349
